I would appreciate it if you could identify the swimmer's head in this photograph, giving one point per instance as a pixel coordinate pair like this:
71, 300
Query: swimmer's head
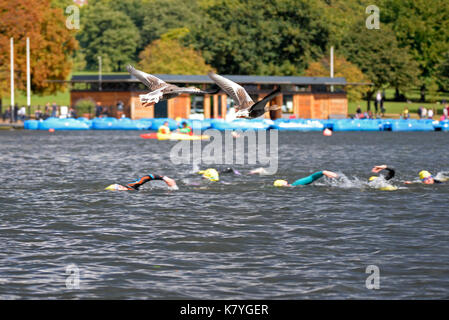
280, 183
372, 178
210, 174
116, 187
426, 177
230, 170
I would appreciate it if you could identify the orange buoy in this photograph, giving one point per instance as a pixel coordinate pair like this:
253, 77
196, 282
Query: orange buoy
327, 132
51, 130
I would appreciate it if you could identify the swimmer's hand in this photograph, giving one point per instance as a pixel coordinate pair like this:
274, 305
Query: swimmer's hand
408, 182
170, 182
330, 174
258, 171
377, 169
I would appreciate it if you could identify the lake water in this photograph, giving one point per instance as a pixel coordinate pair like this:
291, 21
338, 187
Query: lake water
237, 239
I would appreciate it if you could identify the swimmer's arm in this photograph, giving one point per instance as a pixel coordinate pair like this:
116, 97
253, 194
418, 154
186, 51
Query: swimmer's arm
309, 179
390, 173
137, 184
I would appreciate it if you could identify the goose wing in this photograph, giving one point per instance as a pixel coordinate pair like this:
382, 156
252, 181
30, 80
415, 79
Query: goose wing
234, 90
259, 106
152, 82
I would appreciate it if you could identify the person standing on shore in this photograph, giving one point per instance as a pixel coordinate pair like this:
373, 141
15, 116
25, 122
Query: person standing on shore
98, 109
54, 110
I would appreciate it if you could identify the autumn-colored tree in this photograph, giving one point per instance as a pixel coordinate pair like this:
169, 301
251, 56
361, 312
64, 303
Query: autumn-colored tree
168, 56
51, 45
342, 68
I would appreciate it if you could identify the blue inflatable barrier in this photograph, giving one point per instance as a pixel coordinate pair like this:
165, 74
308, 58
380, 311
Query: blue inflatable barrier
31, 125
411, 125
299, 125
441, 125
240, 125
62, 124
120, 124
103, 123
357, 125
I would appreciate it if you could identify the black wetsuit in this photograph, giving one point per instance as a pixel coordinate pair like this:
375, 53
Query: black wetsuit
136, 184
390, 173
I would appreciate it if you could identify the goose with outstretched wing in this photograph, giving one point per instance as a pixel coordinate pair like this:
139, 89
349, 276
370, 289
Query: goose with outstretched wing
161, 90
244, 105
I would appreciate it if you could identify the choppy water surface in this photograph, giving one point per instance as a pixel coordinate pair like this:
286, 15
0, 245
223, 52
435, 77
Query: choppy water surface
242, 239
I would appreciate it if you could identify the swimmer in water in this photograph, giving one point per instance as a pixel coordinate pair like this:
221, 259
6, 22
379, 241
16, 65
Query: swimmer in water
213, 175
306, 180
379, 182
426, 178
137, 184
377, 169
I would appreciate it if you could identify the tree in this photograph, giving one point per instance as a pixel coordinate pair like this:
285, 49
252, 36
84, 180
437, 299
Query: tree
377, 54
164, 15
423, 28
51, 45
259, 37
109, 34
168, 56
342, 68
443, 73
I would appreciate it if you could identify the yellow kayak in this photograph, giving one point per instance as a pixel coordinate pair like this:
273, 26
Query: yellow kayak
173, 136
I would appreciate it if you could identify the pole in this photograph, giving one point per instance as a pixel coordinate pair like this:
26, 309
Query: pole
28, 75
12, 79
99, 71
332, 66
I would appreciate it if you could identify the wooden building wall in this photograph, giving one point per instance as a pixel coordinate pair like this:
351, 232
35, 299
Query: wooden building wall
305, 105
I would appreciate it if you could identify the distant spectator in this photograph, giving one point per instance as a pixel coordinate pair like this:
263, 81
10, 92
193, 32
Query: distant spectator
21, 113
7, 114
430, 114
358, 112
38, 113
378, 102
105, 112
120, 108
98, 109
16, 112
420, 112
445, 112
406, 114
424, 113
72, 113
54, 110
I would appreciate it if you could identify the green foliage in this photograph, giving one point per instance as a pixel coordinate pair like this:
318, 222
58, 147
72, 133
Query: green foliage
84, 106
109, 34
261, 37
164, 15
421, 25
342, 68
443, 73
377, 54
62, 4
168, 56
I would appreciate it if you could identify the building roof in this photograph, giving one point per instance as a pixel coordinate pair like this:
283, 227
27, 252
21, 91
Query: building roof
286, 80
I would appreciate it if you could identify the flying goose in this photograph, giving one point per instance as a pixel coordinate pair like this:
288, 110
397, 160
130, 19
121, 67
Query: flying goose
245, 106
160, 90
